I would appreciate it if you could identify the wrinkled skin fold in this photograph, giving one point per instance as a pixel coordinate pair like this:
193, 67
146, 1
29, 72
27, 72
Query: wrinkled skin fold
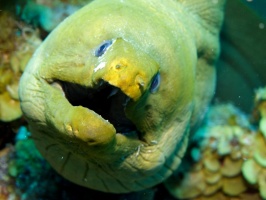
112, 93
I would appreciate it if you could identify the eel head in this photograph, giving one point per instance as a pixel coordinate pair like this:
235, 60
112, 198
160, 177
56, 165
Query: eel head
108, 104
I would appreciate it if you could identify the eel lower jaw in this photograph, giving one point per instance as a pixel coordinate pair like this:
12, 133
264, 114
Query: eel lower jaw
105, 100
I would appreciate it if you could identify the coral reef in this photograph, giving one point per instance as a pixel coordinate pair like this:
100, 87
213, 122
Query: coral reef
230, 160
254, 169
33, 176
7, 186
218, 157
18, 41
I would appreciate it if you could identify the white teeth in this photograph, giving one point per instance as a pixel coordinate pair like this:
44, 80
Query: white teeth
126, 101
113, 92
101, 82
57, 85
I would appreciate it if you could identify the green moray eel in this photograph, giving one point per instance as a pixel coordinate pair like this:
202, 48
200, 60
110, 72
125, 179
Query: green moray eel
112, 94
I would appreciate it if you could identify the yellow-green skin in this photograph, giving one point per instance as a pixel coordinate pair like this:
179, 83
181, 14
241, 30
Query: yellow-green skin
178, 39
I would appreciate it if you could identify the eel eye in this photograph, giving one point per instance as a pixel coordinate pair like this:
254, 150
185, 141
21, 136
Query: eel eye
102, 48
155, 83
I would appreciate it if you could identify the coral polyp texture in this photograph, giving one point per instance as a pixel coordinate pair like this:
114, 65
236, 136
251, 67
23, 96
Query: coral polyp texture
230, 160
17, 44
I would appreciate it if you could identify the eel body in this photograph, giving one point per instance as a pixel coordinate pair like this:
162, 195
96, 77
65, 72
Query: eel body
113, 92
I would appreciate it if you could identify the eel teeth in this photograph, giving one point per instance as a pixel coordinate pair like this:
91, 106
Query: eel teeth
113, 92
127, 99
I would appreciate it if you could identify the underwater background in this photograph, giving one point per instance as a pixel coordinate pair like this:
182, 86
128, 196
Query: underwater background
226, 158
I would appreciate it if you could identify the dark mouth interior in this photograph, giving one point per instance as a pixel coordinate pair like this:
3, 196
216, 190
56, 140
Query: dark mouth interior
106, 100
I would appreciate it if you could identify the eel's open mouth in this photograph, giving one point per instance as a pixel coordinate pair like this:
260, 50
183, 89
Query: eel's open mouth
105, 100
